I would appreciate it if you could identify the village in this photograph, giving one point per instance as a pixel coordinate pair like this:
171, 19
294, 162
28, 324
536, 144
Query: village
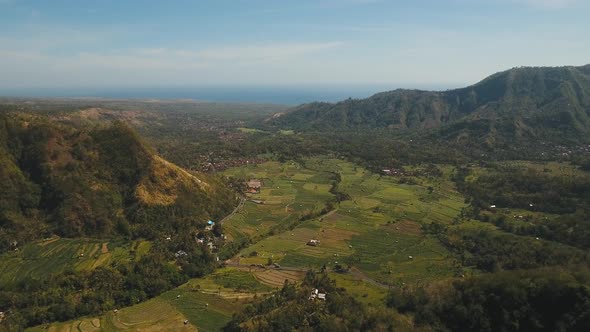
210, 236
209, 164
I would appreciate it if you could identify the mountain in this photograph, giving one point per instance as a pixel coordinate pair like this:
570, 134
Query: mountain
521, 103
99, 181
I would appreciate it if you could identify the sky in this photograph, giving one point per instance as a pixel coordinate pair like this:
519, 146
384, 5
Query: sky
417, 43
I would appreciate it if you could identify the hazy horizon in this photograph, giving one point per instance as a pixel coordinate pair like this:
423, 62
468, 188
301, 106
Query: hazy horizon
285, 94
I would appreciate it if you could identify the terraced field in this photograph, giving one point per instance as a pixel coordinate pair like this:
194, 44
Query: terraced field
276, 278
288, 192
206, 306
153, 315
378, 230
55, 255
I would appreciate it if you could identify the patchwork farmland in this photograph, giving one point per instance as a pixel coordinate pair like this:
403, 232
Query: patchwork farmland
375, 234
377, 230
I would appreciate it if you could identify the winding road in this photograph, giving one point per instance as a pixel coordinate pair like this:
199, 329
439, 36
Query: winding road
242, 201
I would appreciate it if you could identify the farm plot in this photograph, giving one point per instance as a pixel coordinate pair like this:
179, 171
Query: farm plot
238, 280
359, 288
153, 315
203, 309
396, 254
207, 312
54, 255
276, 278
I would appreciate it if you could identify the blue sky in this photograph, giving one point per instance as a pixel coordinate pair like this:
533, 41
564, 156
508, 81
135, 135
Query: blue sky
418, 43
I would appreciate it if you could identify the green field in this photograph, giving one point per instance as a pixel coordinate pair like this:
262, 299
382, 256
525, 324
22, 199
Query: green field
289, 191
205, 303
376, 230
54, 255
250, 130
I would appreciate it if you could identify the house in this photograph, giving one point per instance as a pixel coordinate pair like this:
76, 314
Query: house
315, 294
313, 243
254, 186
210, 225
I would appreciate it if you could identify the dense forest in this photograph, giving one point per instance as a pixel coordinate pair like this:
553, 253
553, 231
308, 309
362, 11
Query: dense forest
533, 300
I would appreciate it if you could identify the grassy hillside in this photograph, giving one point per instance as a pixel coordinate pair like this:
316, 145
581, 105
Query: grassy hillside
98, 181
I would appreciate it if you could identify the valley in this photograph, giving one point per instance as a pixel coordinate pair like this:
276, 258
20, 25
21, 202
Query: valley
379, 236
161, 215
380, 215
295, 166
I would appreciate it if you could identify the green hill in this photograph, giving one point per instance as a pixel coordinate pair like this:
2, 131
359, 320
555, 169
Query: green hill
550, 103
100, 181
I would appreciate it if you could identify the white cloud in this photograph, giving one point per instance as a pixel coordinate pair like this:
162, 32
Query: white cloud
272, 52
243, 52
549, 4
24, 67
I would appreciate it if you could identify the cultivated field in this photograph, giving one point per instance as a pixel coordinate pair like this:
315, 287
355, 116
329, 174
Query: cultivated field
378, 230
207, 306
54, 255
288, 192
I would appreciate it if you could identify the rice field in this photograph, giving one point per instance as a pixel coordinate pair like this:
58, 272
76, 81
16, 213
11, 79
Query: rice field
378, 230
205, 305
55, 255
288, 192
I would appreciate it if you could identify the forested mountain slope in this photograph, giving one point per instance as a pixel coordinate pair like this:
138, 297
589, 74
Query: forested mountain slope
522, 103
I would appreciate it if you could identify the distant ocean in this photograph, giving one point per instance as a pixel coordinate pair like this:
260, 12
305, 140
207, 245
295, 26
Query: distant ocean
250, 94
